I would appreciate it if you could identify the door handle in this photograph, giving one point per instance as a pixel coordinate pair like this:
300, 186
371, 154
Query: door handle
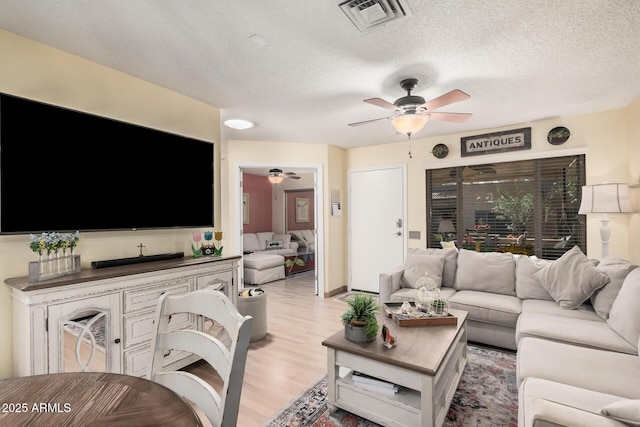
397, 233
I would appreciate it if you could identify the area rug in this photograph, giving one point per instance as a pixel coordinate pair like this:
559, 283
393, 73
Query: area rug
487, 396
345, 297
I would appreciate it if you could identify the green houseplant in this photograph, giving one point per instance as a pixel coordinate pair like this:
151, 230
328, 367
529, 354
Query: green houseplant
360, 322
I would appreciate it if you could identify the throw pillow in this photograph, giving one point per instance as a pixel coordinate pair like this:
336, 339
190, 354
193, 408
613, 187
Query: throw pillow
624, 317
450, 262
526, 286
417, 265
571, 279
626, 411
273, 244
285, 238
486, 271
617, 269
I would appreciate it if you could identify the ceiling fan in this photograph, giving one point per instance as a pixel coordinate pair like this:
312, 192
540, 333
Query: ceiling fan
413, 112
276, 176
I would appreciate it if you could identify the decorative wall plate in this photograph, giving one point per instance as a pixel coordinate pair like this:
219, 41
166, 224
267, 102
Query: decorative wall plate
440, 151
558, 135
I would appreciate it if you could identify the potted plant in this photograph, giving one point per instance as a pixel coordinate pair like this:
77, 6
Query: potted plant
360, 322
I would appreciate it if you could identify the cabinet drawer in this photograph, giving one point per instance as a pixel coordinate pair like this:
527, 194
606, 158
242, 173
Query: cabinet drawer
148, 297
219, 281
139, 328
136, 362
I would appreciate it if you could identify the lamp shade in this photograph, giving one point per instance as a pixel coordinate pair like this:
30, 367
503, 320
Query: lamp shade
275, 179
446, 226
409, 123
605, 198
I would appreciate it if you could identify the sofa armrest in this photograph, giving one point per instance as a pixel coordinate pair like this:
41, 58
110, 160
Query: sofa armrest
547, 413
294, 246
389, 282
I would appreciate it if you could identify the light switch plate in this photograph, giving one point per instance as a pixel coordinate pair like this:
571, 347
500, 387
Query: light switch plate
414, 235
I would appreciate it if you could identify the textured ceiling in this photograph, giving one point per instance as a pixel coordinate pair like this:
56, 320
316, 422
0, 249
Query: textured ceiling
520, 60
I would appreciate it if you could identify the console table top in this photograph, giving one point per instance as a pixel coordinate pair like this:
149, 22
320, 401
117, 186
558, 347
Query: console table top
91, 274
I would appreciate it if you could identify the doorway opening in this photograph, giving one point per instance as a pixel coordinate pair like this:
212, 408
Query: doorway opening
291, 208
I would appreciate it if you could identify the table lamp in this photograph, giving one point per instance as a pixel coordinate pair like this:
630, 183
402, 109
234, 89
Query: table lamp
445, 228
605, 199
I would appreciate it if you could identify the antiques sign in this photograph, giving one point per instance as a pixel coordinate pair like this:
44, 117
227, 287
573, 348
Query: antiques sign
499, 142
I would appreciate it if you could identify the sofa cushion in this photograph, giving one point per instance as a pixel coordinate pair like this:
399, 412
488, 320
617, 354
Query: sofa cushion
250, 242
617, 269
588, 333
284, 238
624, 317
526, 286
584, 311
626, 411
562, 398
571, 279
486, 307
296, 235
493, 272
308, 236
411, 294
599, 370
417, 265
263, 238
450, 262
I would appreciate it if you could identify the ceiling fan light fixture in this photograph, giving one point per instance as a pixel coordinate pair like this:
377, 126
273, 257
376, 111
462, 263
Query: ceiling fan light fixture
409, 123
238, 124
275, 176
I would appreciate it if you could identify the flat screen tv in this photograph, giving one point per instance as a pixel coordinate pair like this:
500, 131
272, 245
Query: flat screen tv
64, 170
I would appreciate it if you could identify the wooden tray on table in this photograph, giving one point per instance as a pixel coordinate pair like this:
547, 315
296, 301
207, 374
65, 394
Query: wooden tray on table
392, 308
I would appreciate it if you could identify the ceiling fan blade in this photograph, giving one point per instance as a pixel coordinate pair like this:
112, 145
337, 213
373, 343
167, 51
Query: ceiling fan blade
368, 121
455, 95
293, 177
450, 117
379, 102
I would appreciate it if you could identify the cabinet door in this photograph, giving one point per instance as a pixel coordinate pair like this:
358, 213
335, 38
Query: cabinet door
84, 335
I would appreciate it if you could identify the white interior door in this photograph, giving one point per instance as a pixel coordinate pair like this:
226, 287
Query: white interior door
376, 224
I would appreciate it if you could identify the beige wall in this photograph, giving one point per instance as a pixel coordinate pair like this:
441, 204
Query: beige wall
35, 71
609, 139
633, 158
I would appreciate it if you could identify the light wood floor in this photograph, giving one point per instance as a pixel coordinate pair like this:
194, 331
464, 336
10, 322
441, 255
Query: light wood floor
292, 356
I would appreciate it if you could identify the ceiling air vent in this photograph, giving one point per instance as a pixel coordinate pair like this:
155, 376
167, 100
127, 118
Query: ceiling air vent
370, 15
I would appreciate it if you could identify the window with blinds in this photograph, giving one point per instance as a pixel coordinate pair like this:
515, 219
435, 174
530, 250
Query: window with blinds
528, 207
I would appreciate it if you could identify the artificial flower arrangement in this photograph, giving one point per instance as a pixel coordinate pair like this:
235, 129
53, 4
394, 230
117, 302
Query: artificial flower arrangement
208, 248
51, 243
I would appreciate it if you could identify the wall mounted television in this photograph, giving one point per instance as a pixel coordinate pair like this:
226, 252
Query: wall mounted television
65, 170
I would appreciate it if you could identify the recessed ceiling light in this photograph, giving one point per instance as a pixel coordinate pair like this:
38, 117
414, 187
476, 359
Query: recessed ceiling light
239, 124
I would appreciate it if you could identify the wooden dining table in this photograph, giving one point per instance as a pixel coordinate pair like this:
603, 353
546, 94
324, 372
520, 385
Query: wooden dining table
91, 399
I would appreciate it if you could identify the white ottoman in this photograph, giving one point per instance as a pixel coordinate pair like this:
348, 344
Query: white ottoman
263, 268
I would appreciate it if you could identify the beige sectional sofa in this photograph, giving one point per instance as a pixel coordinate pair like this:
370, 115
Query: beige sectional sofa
269, 242
575, 323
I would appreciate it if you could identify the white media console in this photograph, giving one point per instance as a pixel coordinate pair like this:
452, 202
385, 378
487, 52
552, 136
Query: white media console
101, 319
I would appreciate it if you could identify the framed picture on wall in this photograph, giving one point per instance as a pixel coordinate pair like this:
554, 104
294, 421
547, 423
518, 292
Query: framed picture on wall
302, 209
245, 208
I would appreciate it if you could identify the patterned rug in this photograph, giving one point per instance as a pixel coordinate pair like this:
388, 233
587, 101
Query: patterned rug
487, 396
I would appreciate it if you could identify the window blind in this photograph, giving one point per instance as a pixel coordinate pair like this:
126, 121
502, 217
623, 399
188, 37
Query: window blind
528, 206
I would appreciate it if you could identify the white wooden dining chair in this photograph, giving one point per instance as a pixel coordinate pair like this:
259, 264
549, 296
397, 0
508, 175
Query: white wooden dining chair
228, 360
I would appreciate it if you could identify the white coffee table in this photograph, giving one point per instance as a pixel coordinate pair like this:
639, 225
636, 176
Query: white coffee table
427, 364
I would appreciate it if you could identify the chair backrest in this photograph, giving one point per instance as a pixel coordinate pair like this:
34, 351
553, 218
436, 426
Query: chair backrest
228, 360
